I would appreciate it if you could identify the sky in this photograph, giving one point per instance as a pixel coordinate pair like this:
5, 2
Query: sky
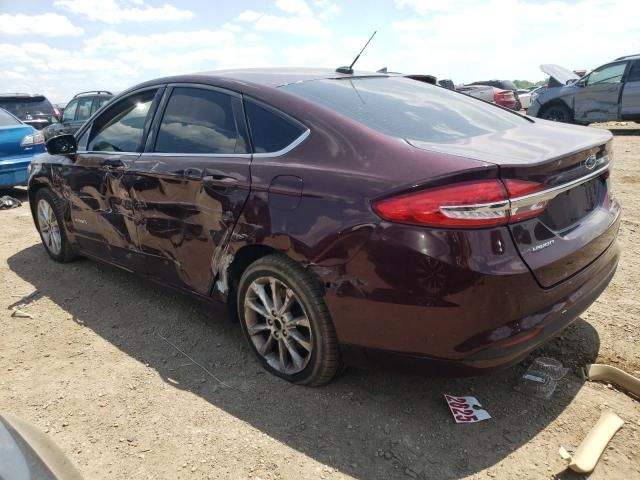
61, 47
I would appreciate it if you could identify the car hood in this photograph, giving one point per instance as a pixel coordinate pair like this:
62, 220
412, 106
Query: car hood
561, 74
528, 145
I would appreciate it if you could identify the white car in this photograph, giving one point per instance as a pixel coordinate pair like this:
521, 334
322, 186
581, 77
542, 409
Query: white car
525, 97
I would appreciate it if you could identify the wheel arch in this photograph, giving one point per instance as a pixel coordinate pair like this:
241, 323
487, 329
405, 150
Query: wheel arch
557, 102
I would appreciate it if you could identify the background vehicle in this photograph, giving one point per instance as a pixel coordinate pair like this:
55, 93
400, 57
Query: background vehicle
76, 112
273, 190
504, 98
482, 92
19, 142
32, 109
610, 92
503, 85
525, 98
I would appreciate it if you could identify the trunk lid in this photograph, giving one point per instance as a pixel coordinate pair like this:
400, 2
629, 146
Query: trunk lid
581, 218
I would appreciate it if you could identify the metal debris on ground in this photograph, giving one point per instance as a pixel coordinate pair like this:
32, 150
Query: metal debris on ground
541, 378
7, 202
20, 314
466, 409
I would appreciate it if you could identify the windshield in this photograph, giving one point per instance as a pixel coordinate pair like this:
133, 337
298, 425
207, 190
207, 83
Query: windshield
7, 120
21, 107
408, 109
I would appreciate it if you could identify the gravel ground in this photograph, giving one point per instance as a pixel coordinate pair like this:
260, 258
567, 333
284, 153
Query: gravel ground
107, 367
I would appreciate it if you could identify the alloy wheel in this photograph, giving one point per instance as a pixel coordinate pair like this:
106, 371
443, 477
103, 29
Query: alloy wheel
49, 228
277, 325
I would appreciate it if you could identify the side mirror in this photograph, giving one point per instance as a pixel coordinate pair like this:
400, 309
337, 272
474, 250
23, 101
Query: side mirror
62, 145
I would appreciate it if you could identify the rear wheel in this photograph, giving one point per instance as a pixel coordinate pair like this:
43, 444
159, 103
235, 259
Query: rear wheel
557, 113
286, 322
48, 213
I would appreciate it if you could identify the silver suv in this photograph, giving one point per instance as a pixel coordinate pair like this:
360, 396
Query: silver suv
610, 92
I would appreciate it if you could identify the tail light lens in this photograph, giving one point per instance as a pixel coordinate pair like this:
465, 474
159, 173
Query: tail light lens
475, 204
36, 138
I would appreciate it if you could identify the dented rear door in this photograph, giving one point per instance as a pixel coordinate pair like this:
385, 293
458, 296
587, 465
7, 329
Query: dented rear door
191, 184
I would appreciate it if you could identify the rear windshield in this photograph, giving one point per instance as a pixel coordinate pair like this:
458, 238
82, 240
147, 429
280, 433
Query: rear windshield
7, 120
408, 109
21, 107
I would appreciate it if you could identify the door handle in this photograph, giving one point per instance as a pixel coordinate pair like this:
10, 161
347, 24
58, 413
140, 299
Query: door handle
192, 173
220, 181
112, 163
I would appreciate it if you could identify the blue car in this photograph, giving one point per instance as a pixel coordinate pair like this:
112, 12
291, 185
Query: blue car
19, 143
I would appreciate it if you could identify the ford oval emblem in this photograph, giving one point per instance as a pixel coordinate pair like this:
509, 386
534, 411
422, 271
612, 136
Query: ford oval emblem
590, 162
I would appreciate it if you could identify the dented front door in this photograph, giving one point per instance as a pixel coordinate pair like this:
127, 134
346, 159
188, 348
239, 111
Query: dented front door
598, 98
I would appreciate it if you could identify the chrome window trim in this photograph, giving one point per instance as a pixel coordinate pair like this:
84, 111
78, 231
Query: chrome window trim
303, 136
199, 155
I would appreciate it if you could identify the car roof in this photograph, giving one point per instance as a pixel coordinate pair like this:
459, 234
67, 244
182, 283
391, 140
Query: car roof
635, 56
20, 95
275, 77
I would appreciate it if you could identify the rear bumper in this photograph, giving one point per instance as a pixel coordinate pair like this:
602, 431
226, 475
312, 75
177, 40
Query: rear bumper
471, 307
15, 170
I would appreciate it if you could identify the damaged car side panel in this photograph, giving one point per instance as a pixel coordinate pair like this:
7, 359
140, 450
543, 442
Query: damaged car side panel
610, 92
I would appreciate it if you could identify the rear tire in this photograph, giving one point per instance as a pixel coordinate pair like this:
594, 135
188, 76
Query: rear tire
50, 223
557, 113
286, 322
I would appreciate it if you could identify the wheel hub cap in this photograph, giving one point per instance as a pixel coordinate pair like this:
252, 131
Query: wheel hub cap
278, 326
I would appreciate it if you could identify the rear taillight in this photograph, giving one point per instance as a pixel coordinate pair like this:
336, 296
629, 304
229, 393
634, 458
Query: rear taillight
475, 204
36, 138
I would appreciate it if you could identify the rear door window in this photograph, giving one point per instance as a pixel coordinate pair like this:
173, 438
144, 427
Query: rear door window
270, 131
198, 120
120, 128
84, 108
634, 73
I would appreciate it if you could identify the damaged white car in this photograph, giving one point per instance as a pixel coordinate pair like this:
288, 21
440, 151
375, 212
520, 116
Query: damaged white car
610, 92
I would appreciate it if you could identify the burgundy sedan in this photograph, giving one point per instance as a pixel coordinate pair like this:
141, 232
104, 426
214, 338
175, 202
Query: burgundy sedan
346, 219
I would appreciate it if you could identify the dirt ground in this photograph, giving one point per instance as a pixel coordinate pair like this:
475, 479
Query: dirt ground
98, 368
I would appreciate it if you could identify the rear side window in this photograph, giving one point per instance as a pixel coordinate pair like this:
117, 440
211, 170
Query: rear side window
7, 120
84, 108
199, 121
407, 109
120, 128
270, 132
634, 73
99, 102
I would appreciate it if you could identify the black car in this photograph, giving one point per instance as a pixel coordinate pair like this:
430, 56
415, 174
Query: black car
76, 112
504, 85
32, 109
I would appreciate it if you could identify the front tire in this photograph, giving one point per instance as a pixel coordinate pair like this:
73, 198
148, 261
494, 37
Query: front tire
557, 113
286, 322
49, 220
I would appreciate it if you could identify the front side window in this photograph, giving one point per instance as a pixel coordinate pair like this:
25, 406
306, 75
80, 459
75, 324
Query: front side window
607, 74
121, 127
407, 109
199, 120
270, 132
84, 108
70, 111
